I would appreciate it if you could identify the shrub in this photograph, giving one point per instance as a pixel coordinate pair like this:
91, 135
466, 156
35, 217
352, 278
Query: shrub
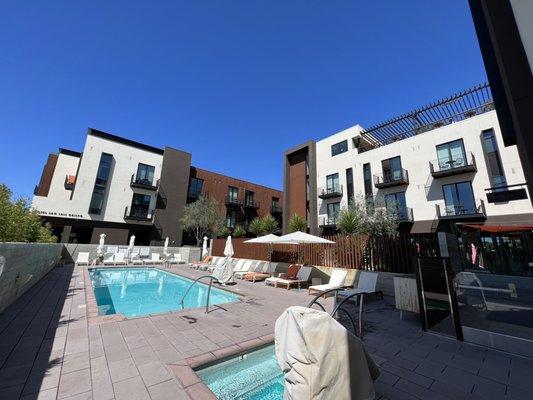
238, 232
297, 223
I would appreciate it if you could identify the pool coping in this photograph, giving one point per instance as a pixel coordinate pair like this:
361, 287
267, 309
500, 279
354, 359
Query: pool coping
185, 370
94, 317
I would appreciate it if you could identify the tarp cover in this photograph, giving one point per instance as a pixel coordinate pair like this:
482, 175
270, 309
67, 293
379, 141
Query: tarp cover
224, 272
320, 359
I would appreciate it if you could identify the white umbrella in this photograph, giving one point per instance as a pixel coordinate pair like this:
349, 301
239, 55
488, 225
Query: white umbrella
300, 238
224, 273
204, 248
269, 239
211, 247
130, 246
228, 249
165, 249
100, 249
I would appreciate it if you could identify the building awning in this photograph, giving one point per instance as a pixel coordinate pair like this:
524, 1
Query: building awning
497, 228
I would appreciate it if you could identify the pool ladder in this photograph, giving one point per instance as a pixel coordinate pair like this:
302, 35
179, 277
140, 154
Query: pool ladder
211, 279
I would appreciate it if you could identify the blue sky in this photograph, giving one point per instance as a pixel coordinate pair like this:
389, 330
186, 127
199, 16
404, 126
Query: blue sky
233, 82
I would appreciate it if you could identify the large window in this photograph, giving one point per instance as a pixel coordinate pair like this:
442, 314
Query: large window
338, 148
231, 218
367, 177
392, 169
140, 205
249, 198
451, 155
494, 162
233, 194
195, 187
145, 174
396, 205
332, 183
333, 210
349, 184
459, 198
100, 185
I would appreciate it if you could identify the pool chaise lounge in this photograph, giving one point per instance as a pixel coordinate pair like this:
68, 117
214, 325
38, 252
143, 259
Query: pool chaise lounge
155, 258
261, 276
82, 259
302, 277
336, 281
176, 259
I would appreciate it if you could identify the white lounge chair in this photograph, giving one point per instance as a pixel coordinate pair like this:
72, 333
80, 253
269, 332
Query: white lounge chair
255, 266
120, 259
83, 258
136, 259
304, 273
366, 285
336, 281
211, 268
109, 259
198, 265
154, 259
177, 259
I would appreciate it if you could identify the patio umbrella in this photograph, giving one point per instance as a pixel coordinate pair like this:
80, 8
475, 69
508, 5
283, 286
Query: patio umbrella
100, 249
268, 239
300, 238
2, 263
211, 247
204, 248
165, 248
130, 246
224, 273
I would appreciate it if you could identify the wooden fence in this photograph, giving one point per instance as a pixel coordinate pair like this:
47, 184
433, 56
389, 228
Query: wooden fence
372, 253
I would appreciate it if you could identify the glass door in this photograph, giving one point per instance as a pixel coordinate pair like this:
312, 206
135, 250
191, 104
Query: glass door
459, 199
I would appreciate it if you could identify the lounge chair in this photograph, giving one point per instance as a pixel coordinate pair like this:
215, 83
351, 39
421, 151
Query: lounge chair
176, 259
154, 259
83, 258
336, 281
255, 266
211, 268
259, 276
366, 285
302, 277
136, 259
120, 259
207, 260
292, 274
109, 259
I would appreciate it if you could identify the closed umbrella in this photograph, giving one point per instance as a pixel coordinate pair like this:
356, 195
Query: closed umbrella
268, 239
100, 249
165, 248
130, 246
224, 273
204, 248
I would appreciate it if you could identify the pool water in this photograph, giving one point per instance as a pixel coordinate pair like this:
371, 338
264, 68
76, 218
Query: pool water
135, 292
252, 376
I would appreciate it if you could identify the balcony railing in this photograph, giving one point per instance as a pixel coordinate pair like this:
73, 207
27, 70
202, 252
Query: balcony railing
196, 194
396, 178
328, 221
330, 192
143, 183
453, 166
70, 182
253, 205
275, 209
233, 201
404, 214
138, 214
458, 210
500, 194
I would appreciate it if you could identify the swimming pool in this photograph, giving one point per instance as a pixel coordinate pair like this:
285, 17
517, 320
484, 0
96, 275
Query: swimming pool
134, 292
251, 376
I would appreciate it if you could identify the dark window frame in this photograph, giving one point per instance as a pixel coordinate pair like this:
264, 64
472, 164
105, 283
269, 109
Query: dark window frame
146, 168
455, 184
339, 148
100, 183
194, 192
465, 161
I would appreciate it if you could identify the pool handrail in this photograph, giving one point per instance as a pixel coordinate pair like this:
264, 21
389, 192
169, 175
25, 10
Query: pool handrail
211, 279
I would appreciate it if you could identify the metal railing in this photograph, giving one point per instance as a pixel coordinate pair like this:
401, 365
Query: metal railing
398, 177
449, 164
144, 183
211, 279
251, 204
461, 210
138, 215
233, 201
330, 191
329, 221
276, 209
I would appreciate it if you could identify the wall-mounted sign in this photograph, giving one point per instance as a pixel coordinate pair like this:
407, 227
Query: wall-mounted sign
59, 214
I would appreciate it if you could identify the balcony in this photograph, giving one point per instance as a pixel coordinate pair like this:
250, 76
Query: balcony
397, 178
138, 214
143, 183
197, 194
251, 205
403, 214
275, 209
503, 194
233, 201
328, 222
461, 211
453, 166
70, 182
330, 192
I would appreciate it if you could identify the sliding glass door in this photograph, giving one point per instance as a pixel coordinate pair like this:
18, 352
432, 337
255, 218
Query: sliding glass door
451, 155
459, 198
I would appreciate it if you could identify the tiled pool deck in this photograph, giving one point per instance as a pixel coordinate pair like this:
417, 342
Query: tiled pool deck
52, 345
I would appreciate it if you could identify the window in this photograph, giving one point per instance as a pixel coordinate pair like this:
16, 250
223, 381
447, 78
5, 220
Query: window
332, 183
100, 185
195, 187
392, 169
338, 148
451, 155
396, 205
249, 198
275, 202
233, 194
349, 184
459, 198
494, 162
333, 210
140, 205
231, 218
367, 178
145, 174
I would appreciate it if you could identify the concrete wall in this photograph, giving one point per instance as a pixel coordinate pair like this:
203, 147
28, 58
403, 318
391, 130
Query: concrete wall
24, 264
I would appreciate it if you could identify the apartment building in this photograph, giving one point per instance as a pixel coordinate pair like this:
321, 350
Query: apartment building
438, 165
121, 188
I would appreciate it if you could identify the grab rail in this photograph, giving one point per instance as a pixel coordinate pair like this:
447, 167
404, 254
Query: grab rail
211, 279
339, 307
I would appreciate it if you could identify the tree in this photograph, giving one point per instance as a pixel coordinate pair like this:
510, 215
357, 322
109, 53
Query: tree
223, 232
297, 223
239, 231
19, 223
351, 220
370, 217
256, 227
264, 226
202, 217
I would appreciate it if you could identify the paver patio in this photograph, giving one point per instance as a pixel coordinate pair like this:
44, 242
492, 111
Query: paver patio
51, 349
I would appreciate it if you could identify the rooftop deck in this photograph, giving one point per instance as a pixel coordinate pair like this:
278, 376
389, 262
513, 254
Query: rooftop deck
51, 348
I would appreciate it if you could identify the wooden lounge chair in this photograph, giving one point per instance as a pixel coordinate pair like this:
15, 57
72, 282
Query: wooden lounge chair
336, 281
260, 276
304, 273
83, 258
255, 266
292, 273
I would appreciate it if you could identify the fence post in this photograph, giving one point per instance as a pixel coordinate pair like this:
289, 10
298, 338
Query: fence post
449, 247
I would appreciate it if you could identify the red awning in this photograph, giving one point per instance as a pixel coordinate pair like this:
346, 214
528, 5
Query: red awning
498, 228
